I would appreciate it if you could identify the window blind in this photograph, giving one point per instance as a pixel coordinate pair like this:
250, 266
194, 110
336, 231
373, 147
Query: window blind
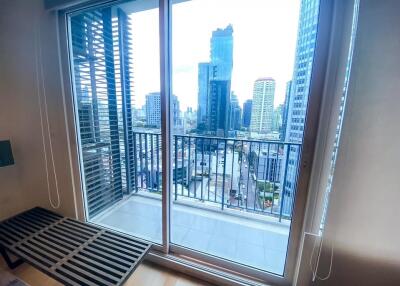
103, 97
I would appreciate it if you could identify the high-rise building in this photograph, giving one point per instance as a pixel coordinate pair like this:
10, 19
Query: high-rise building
299, 90
202, 97
222, 53
277, 119
263, 105
214, 84
235, 113
218, 117
189, 119
176, 112
285, 111
247, 106
153, 110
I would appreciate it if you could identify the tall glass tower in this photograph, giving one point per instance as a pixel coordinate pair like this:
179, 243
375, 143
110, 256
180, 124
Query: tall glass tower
214, 84
202, 96
222, 53
298, 99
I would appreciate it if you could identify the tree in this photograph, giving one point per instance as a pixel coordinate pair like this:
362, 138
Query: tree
267, 187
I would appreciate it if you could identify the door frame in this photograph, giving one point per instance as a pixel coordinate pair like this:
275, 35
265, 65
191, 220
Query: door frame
168, 250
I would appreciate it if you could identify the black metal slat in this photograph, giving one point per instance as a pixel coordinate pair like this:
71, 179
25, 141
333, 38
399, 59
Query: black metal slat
49, 243
26, 223
7, 239
70, 251
46, 213
48, 255
83, 273
57, 242
120, 262
104, 259
103, 249
124, 239
102, 266
7, 233
72, 231
66, 235
116, 248
34, 256
16, 229
105, 276
69, 242
33, 220
126, 246
73, 276
82, 225
39, 218
80, 230
43, 248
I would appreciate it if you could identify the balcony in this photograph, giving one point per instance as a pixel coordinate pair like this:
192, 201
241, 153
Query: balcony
227, 198
256, 241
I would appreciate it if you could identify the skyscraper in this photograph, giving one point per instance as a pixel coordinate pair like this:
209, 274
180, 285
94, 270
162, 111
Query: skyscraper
218, 117
202, 97
247, 106
235, 113
214, 84
277, 119
263, 105
285, 111
153, 110
299, 90
222, 53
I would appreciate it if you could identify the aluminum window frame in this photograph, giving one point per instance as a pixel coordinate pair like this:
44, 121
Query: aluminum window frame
167, 251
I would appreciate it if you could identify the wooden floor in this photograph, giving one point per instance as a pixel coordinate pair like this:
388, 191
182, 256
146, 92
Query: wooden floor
147, 274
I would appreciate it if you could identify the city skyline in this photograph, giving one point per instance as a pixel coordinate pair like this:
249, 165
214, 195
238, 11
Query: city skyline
269, 56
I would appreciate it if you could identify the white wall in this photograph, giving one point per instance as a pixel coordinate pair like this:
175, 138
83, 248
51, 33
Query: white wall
364, 217
24, 184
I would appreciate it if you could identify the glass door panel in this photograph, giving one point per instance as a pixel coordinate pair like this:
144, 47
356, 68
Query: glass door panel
240, 74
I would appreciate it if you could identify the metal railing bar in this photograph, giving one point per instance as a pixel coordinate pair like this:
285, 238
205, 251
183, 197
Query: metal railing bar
284, 183
223, 177
209, 169
202, 167
249, 159
182, 164
256, 186
189, 167
175, 176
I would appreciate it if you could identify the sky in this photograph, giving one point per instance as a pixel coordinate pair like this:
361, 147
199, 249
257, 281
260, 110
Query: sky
264, 43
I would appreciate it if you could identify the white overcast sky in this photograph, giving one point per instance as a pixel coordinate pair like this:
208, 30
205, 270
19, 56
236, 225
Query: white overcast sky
264, 42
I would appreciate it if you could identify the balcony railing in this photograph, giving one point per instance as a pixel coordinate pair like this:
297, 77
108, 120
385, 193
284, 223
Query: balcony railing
248, 175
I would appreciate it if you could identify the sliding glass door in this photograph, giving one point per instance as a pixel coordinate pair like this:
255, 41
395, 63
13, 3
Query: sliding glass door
191, 135
241, 75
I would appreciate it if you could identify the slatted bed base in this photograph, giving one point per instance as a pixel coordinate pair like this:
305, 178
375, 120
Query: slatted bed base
72, 252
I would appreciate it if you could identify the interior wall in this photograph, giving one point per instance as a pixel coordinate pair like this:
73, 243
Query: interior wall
28, 37
363, 219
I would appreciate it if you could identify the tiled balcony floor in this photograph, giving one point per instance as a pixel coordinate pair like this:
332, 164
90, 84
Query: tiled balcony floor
257, 241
